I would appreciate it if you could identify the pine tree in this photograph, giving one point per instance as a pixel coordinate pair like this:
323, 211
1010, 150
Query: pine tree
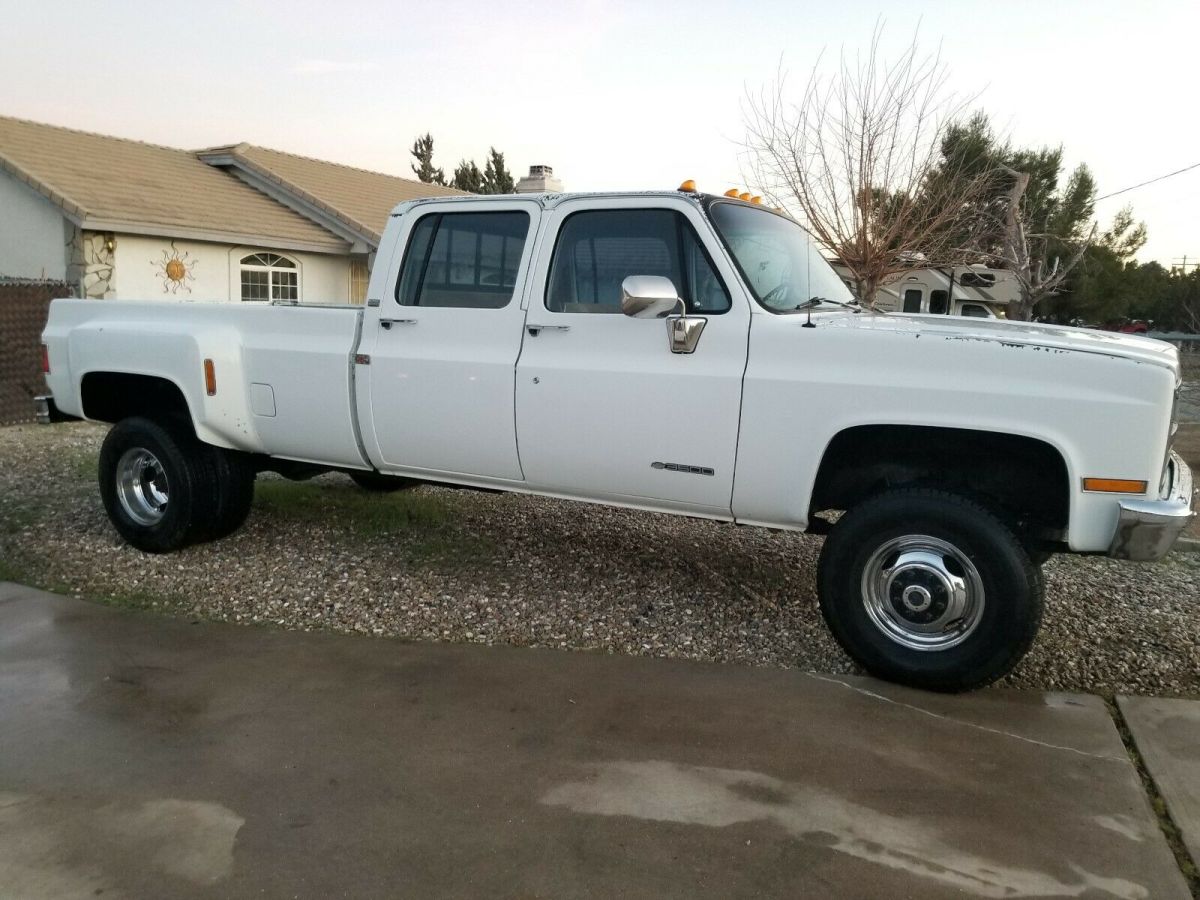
467, 177
496, 177
422, 151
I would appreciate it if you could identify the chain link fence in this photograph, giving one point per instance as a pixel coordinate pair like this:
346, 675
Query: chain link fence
23, 309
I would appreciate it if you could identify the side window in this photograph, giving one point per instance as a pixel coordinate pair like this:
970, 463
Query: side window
939, 302
974, 310
463, 260
598, 249
912, 301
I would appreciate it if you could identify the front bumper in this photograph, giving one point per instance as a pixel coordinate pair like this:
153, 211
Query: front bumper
1147, 529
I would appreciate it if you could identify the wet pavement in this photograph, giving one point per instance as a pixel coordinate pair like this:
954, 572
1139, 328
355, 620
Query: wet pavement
143, 756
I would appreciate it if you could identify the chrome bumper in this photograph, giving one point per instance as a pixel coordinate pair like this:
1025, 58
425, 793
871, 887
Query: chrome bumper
46, 411
43, 409
1147, 529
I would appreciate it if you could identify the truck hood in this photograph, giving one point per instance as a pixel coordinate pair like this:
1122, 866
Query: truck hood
1026, 334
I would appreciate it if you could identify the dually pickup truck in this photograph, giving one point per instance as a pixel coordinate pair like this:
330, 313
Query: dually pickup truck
666, 351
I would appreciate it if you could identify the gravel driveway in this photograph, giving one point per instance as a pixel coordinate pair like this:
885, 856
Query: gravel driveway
440, 564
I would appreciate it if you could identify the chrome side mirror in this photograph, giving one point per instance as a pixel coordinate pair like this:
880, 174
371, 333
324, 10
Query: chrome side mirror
655, 297
650, 297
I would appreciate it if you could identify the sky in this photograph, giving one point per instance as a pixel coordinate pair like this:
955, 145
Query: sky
613, 95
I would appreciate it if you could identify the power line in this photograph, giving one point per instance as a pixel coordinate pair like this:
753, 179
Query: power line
1151, 181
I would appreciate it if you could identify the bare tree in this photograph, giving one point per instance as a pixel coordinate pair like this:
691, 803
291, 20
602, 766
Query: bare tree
1029, 255
858, 158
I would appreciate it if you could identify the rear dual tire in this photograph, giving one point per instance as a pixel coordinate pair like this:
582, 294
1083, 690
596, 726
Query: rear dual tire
163, 489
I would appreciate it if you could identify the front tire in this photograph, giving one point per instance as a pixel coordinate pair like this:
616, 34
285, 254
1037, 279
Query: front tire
929, 589
156, 485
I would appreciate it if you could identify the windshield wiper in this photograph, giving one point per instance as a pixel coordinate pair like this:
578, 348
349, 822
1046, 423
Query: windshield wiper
853, 306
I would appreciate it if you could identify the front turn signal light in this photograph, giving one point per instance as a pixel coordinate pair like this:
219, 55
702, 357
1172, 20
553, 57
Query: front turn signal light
1114, 485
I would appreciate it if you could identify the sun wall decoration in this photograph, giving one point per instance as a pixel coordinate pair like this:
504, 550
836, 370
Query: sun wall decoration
175, 270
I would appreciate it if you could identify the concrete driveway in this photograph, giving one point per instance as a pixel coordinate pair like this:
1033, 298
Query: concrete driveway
150, 757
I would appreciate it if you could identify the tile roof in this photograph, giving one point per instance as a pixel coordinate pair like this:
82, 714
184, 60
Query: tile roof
358, 198
111, 182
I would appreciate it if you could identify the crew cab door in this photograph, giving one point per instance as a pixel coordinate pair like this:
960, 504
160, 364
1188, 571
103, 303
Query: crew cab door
605, 409
444, 341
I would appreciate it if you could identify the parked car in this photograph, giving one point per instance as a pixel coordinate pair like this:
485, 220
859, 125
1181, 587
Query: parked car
1127, 326
673, 352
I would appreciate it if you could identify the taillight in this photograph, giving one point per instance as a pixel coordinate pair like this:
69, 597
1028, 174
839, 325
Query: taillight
45, 360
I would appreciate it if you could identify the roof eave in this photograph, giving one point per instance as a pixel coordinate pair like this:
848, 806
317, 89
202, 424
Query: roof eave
69, 207
290, 195
182, 232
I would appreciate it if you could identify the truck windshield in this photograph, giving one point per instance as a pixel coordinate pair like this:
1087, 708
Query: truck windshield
778, 260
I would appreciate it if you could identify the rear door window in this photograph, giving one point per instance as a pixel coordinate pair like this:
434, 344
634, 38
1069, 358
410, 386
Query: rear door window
463, 260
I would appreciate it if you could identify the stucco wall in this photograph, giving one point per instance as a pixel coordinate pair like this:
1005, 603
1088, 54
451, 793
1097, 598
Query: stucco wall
33, 233
212, 271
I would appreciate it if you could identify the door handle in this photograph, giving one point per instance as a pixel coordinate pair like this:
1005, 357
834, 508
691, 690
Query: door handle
386, 324
535, 330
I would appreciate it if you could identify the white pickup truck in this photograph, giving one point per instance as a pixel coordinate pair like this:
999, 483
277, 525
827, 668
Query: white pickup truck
665, 351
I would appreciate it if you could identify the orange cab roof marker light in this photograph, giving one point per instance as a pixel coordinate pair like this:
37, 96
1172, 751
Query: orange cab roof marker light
1114, 485
688, 187
210, 378
744, 195
732, 192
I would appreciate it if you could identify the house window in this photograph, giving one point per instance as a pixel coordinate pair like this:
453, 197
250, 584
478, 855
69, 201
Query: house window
360, 278
269, 276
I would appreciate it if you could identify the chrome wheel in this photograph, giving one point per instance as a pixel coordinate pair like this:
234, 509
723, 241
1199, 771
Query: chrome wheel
142, 486
922, 592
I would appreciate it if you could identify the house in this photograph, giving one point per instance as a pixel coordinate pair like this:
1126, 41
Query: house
125, 219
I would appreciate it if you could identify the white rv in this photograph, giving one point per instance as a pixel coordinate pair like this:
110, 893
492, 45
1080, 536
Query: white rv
976, 291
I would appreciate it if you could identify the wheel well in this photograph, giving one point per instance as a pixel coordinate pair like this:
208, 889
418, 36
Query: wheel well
1022, 478
113, 396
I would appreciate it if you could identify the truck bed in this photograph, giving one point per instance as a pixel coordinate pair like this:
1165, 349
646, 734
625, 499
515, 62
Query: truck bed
284, 374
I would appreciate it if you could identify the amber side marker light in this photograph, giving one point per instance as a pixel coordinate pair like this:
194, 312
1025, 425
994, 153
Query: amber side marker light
45, 360
210, 377
1114, 485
